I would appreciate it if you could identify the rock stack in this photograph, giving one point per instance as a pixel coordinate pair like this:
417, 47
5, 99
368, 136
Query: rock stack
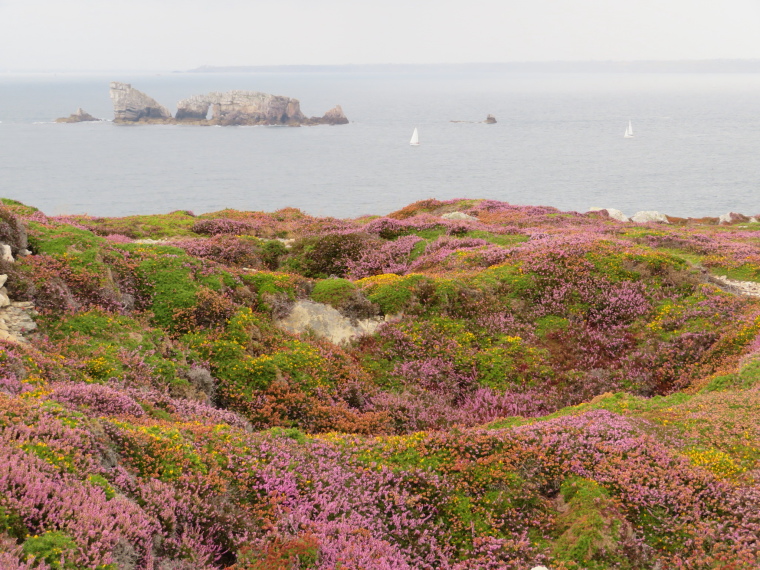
131, 105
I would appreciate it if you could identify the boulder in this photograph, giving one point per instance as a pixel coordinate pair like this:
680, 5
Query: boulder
326, 322
5, 253
80, 116
131, 105
458, 216
490, 120
612, 213
649, 216
241, 108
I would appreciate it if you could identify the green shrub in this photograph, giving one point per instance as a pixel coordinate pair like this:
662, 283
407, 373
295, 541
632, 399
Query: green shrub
51, 547
591, 528
102, 482
322, 256
333, 292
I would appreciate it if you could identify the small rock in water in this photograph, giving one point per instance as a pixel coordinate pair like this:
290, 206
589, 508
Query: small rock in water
81, 116
490, 120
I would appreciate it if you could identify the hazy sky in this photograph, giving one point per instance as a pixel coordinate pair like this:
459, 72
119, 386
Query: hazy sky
182, 34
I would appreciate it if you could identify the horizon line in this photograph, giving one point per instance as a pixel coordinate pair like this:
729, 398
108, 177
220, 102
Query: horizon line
741, 62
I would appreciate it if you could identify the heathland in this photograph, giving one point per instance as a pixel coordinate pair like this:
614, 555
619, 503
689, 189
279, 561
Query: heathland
533, 387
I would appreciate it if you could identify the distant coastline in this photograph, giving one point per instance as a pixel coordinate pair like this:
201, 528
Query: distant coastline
685, 66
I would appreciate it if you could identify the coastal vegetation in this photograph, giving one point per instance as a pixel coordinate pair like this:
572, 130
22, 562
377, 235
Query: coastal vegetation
544, 388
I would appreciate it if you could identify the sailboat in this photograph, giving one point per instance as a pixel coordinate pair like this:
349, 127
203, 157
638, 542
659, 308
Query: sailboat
415, 138
629, 131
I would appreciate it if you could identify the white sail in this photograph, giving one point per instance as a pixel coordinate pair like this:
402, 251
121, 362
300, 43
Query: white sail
629, 131
415, 138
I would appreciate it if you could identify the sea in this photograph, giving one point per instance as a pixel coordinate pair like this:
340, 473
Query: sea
558, 142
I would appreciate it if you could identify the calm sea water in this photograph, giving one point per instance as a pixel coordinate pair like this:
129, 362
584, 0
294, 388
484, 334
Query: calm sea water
558, 142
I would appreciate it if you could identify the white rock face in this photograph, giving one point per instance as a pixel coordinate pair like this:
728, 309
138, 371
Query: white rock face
458, 216
326, 322
649, 216
612, 213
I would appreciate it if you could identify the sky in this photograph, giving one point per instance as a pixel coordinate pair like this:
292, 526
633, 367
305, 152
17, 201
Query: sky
94, 35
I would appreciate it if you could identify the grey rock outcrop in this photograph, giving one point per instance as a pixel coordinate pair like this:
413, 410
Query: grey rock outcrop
649, 216
15, 317
131, 105
16, 320
326, 322
612, 213
241, 108
80, 116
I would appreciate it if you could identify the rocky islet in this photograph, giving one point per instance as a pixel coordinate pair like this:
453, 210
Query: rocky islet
242, 108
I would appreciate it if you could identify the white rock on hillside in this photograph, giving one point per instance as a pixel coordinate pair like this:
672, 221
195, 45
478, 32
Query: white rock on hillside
326, 322
612, 213
458, 216
5, 253
731, 217
649, 216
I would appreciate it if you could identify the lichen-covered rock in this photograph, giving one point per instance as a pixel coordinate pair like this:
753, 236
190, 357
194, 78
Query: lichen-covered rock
131, 105
241, 108
81, 116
